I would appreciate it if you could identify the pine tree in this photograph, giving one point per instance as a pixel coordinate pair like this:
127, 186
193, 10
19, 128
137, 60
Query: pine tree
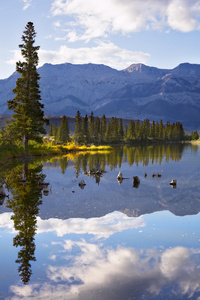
91, 128
138, 130
103, 128
85, 130
157, 129
194, 135
168, 131
153, 130
146, 129
181, 131
120, 130
108, 133
161, 130
126, 132
78, 128
97, 130
63, 131
114, 130
28, 119
131, 130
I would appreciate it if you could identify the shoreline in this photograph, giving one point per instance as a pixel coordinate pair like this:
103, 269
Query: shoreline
45, 150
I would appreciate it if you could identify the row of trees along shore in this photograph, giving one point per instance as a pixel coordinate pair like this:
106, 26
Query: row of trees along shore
112, 131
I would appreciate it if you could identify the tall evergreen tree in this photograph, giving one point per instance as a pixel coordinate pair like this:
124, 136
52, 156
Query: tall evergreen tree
161, 130
153, 130
168, 131
146, 128
131, 130
120, 130
126, 132
114, 130
78, 128
108, 133
91, 127
85, 130
181, 131
63, 131
194, 135
28, 118
157, 129
103, 128
97, 127
138, 129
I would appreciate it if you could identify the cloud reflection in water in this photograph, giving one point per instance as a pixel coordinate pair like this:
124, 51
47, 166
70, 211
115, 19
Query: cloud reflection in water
104, 273
102, 227
90, 269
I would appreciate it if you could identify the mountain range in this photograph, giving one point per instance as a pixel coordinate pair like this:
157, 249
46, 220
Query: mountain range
137, 92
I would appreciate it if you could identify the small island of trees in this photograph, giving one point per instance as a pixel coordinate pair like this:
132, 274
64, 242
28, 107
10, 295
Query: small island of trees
98, 131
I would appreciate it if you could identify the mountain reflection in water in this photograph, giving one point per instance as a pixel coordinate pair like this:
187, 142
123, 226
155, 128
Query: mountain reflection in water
105, 241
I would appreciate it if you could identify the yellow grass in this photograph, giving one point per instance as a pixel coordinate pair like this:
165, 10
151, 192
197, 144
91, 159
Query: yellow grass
47, 149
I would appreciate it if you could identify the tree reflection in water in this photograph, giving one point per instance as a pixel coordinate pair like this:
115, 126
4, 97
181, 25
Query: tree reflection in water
25, 184
144, 155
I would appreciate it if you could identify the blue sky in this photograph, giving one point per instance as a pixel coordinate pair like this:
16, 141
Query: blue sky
160, 33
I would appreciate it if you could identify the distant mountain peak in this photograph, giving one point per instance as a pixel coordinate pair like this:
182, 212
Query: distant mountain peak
135, 68
187, 70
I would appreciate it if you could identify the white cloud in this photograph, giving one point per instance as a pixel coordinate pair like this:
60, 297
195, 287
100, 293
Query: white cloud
16, 56
27, 4
104, 53
57, 24
95, 19
183, 15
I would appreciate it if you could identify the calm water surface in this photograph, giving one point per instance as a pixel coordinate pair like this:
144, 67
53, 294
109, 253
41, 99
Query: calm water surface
108, 239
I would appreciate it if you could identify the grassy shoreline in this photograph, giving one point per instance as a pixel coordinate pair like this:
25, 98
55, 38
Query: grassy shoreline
48, 149
44, 150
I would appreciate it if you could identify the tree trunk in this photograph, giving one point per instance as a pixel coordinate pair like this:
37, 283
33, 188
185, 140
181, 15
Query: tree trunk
25, 141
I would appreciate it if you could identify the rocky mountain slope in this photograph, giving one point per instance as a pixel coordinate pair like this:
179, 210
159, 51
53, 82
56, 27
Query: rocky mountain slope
137, 92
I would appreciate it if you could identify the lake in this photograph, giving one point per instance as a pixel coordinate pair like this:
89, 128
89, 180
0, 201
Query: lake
106, 239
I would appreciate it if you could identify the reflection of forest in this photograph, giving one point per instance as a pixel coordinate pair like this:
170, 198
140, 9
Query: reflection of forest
25, 182
132, 155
